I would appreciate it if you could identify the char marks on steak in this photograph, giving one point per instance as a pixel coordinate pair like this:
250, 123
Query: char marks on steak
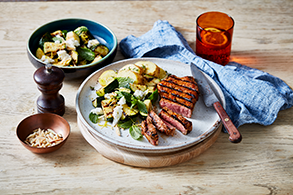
161, 125
178, 94
177, 120
149, 131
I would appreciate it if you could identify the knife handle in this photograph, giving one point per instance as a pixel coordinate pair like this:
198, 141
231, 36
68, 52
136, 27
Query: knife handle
235, 136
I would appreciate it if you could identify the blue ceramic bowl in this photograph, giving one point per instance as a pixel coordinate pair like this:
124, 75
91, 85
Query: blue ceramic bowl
99, 31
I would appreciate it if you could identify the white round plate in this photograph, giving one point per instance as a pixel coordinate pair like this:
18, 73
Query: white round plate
205, 120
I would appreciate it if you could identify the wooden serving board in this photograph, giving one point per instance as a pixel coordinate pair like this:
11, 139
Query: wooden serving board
146, 159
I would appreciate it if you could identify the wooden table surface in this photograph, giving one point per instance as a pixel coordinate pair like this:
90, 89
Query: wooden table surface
261, 164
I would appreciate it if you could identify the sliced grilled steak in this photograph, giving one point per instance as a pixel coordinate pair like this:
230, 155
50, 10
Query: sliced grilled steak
149, 131
160, 125
169, 125
177, 120
178, 94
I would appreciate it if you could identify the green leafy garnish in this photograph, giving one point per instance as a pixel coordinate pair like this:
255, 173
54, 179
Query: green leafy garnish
124, 82
45, 38
125, 124
86, 53
127, 96
94, 117
64, 33
135, 132
133, 101
154, 96
141, 107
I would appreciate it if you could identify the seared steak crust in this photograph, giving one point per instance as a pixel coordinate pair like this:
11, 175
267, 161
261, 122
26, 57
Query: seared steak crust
149, 131
187, 81
177, 120
160, 125
178, 94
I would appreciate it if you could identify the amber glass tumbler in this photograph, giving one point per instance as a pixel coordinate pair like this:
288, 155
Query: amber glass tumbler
214, 32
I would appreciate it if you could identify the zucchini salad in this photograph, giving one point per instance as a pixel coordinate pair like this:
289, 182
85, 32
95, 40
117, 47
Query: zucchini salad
123, 97
70, 48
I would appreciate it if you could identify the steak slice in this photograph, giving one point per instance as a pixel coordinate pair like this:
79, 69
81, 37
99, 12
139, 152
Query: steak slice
160, 125
177, 120
168, 124
176, 107
178, 94
149, 131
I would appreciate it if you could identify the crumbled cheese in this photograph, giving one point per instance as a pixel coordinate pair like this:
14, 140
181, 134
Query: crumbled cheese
117, 113
62, 54
110, 95
122, 101
72, 44
92, 42
64, 57
59, 38
97, 111
47, 59
139, 94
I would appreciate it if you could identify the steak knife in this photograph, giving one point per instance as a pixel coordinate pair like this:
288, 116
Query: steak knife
210, 99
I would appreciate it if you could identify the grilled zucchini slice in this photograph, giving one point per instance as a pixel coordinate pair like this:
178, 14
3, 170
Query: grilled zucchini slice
108, 106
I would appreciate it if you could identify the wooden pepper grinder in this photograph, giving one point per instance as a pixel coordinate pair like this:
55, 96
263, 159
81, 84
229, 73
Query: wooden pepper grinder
49, 80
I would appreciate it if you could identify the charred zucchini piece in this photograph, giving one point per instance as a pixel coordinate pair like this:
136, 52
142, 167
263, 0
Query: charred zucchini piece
100, 92
57, 32
123, 89
135, 87
128, 112
53, 47
84, 34
97, 102
97, 58
74, 55
108, 106
108, 88
153, 82
39, 53
151, 89
111, 86
101, 50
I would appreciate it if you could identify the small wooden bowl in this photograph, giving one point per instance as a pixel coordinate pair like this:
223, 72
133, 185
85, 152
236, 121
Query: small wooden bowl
43, 121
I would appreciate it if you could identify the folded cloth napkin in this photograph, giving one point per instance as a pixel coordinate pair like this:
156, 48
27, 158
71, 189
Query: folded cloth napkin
252, 96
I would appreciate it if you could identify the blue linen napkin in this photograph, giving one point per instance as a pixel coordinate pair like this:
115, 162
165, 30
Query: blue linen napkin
252, 96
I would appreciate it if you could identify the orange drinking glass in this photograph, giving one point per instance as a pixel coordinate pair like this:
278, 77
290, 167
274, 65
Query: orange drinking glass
214, 32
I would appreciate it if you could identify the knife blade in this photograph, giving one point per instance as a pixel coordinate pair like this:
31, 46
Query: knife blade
210, 99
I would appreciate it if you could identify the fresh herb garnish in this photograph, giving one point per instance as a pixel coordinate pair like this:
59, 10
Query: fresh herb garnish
124, 81
86, 53
154, 96
94, 117
125, 124
135, 132
141, 107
